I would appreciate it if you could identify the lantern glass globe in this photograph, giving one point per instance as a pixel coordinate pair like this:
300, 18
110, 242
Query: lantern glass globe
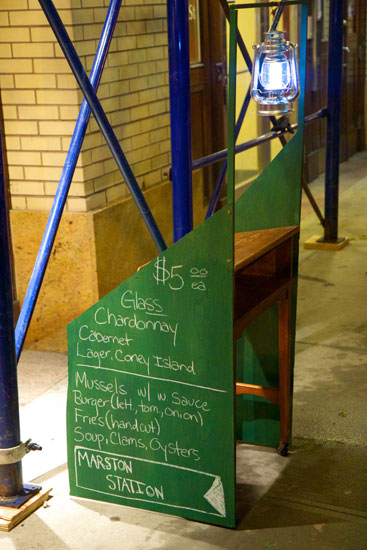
275, 80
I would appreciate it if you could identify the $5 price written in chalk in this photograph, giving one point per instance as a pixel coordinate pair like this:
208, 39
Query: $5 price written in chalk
174, 276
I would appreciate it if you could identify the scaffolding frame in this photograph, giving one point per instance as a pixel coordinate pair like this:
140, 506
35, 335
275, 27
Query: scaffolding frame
11, 343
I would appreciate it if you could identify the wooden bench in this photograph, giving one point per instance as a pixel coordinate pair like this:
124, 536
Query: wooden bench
263, 277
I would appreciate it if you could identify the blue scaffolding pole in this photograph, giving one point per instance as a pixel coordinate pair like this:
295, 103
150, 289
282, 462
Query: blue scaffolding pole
13, 492
10, 474
179, 80
333, 122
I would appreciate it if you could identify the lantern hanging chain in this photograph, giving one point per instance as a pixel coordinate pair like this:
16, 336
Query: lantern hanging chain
276, 14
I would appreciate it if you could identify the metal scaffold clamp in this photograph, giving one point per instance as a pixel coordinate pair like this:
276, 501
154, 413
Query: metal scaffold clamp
15, 454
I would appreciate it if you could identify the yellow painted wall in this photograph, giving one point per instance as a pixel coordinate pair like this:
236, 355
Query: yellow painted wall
246, 24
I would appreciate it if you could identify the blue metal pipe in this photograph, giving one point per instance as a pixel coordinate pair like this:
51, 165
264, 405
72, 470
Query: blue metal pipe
220, 155
333, 121
11, 482
223, 170
179, 81
64, 183
102, 120
218, 187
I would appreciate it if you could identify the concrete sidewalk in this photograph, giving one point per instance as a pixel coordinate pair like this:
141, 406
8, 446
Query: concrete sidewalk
315, 499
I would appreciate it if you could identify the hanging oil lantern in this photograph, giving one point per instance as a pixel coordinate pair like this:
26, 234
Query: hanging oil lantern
275, 80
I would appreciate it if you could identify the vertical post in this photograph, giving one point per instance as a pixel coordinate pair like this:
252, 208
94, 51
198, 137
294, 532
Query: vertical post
11, 482
333, 122
231, 158
179, 80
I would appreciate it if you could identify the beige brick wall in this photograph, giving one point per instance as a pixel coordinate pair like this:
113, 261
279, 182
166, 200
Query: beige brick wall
41, 100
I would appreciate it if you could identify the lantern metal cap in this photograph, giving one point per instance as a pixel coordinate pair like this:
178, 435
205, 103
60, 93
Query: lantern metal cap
274, 42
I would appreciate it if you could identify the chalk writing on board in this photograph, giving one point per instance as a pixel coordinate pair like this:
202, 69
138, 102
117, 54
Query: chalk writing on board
104, 316
198, 275
123, 476
127, 397
175, 275
162, 275
215, 496
151, 391
142, 399
111, 410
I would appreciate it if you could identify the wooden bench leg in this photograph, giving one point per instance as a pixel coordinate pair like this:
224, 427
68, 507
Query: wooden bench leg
284, 370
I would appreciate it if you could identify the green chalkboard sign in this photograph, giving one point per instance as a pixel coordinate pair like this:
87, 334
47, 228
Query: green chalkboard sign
150, 413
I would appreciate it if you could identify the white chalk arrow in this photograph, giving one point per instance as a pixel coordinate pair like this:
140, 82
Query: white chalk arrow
215, 496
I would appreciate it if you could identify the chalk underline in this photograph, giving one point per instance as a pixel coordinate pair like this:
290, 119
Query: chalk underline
152, 378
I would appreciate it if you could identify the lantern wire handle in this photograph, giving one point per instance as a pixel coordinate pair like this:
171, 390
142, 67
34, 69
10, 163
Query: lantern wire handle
276, 13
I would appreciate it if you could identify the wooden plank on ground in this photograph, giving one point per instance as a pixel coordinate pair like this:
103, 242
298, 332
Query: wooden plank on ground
10, 517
